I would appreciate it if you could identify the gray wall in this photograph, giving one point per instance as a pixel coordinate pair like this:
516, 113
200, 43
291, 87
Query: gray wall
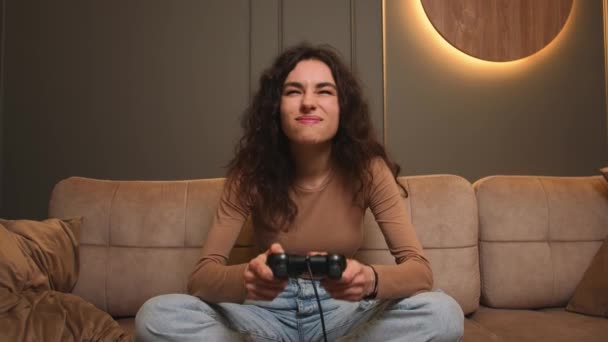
2, 21
449, 113
151, 89
154, 89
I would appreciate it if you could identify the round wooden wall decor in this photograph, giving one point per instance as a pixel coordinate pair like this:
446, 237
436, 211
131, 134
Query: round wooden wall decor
498, 30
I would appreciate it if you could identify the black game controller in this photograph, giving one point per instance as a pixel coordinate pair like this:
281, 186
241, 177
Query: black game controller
289, 265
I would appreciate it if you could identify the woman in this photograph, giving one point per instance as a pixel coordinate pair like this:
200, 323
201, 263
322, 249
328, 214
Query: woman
305, 170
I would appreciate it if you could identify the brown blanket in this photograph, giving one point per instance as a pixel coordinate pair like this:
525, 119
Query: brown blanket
54, 316
38, 262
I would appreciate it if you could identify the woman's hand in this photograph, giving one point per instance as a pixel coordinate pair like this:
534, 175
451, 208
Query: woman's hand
259, 280
357, 282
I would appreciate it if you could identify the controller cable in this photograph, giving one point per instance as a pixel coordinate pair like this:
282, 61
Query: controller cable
317, 296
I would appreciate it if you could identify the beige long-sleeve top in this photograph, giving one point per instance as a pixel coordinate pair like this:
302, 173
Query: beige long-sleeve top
328, 220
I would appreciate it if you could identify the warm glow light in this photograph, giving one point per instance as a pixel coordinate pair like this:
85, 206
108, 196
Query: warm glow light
431, 39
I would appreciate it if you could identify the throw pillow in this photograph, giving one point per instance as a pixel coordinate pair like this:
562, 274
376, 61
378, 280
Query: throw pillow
40, 255
591, 294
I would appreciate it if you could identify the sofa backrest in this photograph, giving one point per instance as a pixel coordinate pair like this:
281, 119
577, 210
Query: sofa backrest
443, 210
537, 237
140, 239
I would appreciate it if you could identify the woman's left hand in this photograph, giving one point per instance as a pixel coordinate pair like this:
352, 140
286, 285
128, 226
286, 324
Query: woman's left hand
357, 282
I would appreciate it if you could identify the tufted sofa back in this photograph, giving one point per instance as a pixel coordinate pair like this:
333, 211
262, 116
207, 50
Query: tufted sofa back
140, 239
538, 235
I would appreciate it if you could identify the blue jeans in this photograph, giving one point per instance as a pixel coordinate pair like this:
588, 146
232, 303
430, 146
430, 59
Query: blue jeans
294, 316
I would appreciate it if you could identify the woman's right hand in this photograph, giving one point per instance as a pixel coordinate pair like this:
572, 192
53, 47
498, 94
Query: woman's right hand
259, 280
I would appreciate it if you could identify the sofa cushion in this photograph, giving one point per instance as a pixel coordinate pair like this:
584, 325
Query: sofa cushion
443, 211
591, 296
556, 325
475, 332
128, 325
139, 239
39, 255
537, 237
149, 233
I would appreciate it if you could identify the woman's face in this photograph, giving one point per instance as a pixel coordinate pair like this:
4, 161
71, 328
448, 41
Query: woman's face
310, 111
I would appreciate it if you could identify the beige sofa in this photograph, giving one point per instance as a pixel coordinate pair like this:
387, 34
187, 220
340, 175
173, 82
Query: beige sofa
509, 249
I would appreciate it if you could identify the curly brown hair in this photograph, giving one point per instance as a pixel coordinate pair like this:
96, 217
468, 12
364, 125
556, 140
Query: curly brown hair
263, 170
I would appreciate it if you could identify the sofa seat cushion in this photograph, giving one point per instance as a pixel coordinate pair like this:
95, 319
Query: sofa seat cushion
475, 332
541, 325
127, 324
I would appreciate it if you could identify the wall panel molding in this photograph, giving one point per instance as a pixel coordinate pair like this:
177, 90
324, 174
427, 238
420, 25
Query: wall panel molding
141, 89
367, 60
265, 37
605, 5
150, 89
2, 145
353, 34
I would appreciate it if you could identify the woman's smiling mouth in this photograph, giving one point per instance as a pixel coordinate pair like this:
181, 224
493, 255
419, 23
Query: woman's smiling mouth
309, 119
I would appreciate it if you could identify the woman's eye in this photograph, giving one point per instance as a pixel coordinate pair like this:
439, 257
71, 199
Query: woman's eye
291, 92
325, 91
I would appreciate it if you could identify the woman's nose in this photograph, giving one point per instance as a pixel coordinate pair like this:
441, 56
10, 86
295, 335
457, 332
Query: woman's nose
308, 103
